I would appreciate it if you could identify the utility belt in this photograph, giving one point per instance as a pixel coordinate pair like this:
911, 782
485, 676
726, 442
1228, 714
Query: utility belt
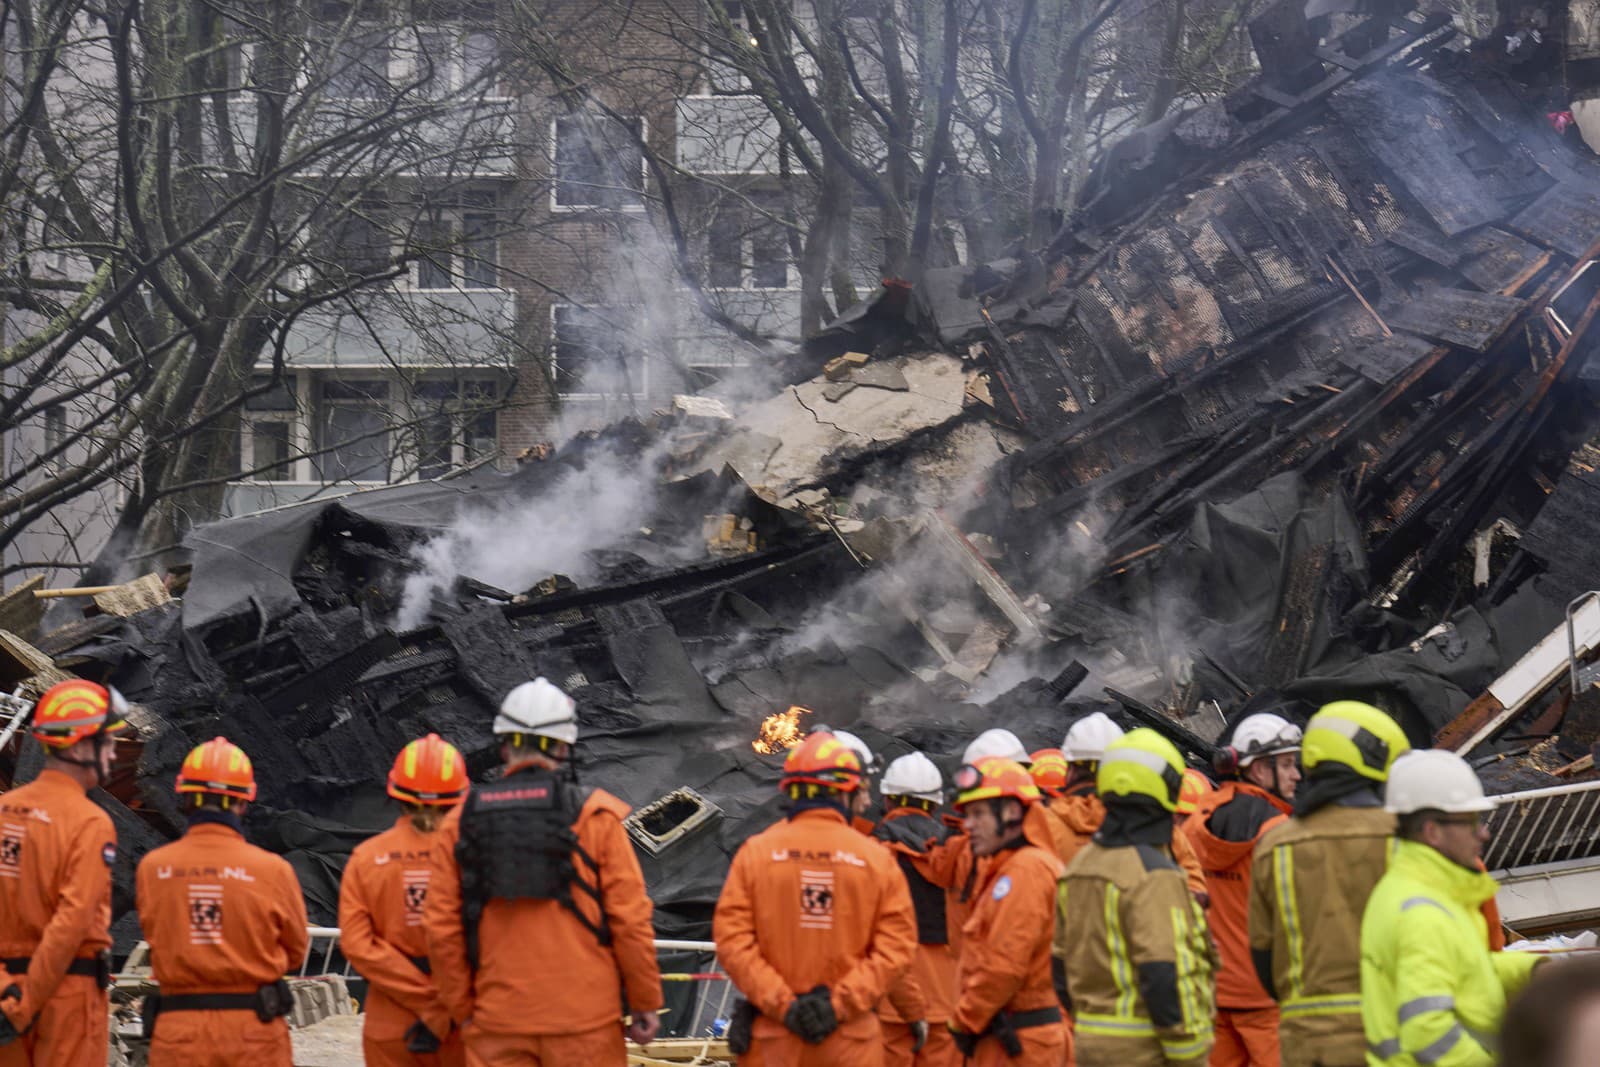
96, 967
1004, 1026
269, 1002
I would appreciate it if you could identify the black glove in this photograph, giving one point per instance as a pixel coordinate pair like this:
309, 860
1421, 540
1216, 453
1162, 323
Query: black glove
965, 1042
740, 1022
421, 1040
8, 1032
811, 1016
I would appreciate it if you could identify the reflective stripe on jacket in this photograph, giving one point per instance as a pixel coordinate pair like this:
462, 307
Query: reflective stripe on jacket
1432, 992
1309, 885
1139, 962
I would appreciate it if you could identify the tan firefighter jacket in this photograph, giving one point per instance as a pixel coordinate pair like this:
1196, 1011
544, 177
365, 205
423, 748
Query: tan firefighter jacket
1308, 888
1140, 966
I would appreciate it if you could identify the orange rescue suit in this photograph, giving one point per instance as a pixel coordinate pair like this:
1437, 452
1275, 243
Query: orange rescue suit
1224, 830
381, 904
1005, 959
221, 916
1082, 813
545, 987
811, 902
56, 851
927, 991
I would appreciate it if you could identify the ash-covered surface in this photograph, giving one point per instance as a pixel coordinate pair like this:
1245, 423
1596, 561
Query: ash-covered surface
1228, 442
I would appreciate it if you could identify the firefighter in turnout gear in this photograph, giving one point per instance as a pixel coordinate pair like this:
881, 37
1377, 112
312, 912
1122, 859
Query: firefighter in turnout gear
912, 790
1263, 761
1076, 803
1136, 961
537, 918
225, 921
382, 898
56, 851
1431, 991
1008, 1012
815, 922
1311, 880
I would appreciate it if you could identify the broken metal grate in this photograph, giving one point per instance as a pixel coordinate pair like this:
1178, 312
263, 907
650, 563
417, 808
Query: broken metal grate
1543, 826
680, 814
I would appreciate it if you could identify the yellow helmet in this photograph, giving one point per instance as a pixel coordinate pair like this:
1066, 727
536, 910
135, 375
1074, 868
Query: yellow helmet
1353, 735
1142, 763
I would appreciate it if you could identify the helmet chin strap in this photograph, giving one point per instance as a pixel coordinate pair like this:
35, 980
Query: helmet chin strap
93, 763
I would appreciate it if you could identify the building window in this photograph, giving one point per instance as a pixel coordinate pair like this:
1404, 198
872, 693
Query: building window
598, 163
724, 76
459, 245
745, 247
267, 438
358, 65
356, 242
353, 442
55, 427
453, 59
593, 352
456, 423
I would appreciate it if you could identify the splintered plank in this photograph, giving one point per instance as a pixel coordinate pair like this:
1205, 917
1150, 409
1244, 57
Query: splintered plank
1565, 218
1457, 316
1494, 259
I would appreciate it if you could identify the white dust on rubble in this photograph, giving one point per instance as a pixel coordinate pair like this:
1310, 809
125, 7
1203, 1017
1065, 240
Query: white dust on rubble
517, 544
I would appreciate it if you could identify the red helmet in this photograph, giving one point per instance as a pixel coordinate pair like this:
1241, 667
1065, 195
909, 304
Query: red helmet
994, 777
429, 771
1049, 769
1196, 787
218, 767
822, 759
75, 709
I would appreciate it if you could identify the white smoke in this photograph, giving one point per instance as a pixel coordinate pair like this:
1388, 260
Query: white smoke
518, 544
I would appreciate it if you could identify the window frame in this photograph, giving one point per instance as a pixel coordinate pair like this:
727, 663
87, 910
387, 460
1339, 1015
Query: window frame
640, 390
556, 207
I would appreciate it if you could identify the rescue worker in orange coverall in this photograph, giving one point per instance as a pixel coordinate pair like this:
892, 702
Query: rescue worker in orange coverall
537, 918
913, 789
951, 864
382, 897
225, 922
1224, 829
56, 851
1008, 1013
815, 921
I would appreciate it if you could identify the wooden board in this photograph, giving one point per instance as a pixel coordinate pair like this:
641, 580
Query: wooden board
130, 598
20, 610
1458, 317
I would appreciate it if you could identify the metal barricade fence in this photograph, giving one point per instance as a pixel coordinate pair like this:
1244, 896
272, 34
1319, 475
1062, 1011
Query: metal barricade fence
713, 991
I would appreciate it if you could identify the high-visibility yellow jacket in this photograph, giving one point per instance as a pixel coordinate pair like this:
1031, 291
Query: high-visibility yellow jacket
1308, 887
1140, 966
1431, 991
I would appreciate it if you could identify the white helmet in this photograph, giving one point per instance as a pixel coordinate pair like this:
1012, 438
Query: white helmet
913, 775
996, 742
540, 709
869, 761
1264, 734
1087, 738
1433, 779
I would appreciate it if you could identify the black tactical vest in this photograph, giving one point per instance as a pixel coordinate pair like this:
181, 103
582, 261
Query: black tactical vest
927, 899
518, 843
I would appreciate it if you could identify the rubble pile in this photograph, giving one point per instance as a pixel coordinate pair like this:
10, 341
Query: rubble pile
1298, 407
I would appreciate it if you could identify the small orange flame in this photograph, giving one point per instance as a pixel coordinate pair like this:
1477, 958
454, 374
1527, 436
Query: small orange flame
780, 731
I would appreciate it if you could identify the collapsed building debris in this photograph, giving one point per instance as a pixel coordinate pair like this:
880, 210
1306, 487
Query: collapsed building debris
1299, 407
